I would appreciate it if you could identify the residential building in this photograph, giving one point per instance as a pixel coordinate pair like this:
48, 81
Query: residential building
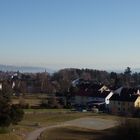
124, 104
94, 95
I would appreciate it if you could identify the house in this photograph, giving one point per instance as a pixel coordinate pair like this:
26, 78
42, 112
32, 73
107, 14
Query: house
82, 97
101, 99
118, 90
93, 95
124, 103
124, 90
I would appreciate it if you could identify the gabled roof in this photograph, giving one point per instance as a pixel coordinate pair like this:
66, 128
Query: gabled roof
127, 98
126, 91
95, 93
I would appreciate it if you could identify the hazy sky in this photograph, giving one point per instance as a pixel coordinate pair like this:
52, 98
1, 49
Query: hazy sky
102, 34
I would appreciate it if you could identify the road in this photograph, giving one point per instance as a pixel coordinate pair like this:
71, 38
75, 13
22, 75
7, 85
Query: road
88, 122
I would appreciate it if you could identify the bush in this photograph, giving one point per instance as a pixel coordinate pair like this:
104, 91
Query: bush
4, 130
16, 114
5, 120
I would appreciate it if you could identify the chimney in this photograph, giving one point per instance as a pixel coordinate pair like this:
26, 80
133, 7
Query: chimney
0, 86
138, 92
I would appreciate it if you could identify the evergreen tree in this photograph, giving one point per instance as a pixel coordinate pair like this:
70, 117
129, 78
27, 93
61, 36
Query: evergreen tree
8, 113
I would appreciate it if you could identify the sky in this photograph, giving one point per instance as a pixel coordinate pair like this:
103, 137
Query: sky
97, 34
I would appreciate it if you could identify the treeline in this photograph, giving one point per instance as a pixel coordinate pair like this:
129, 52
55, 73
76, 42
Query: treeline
63, 78
127, 78
61, 81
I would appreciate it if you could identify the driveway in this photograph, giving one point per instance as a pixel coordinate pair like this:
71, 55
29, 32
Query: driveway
89, 123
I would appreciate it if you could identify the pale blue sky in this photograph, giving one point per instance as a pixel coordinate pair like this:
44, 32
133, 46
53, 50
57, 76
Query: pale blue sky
101, 34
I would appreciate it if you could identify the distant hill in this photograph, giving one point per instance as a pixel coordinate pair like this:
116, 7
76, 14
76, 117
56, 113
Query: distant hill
24, 69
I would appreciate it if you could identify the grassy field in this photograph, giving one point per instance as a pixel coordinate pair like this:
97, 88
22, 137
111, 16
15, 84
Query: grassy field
54, 116
128, 129
34, 119
73, 133
46, 110
50, 118
9, 136
30, 102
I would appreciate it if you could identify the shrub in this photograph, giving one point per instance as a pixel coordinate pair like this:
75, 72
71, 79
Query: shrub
5, 120
16, 114
4, 130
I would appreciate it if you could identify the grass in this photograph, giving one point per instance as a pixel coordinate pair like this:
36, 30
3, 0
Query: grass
46, 110
4, 130
73, 133
51, 118
129, 129
30, 102
55, 116
46, 117
9, 136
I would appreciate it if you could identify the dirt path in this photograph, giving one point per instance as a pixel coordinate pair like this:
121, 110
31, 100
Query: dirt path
89, 123
36, 133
